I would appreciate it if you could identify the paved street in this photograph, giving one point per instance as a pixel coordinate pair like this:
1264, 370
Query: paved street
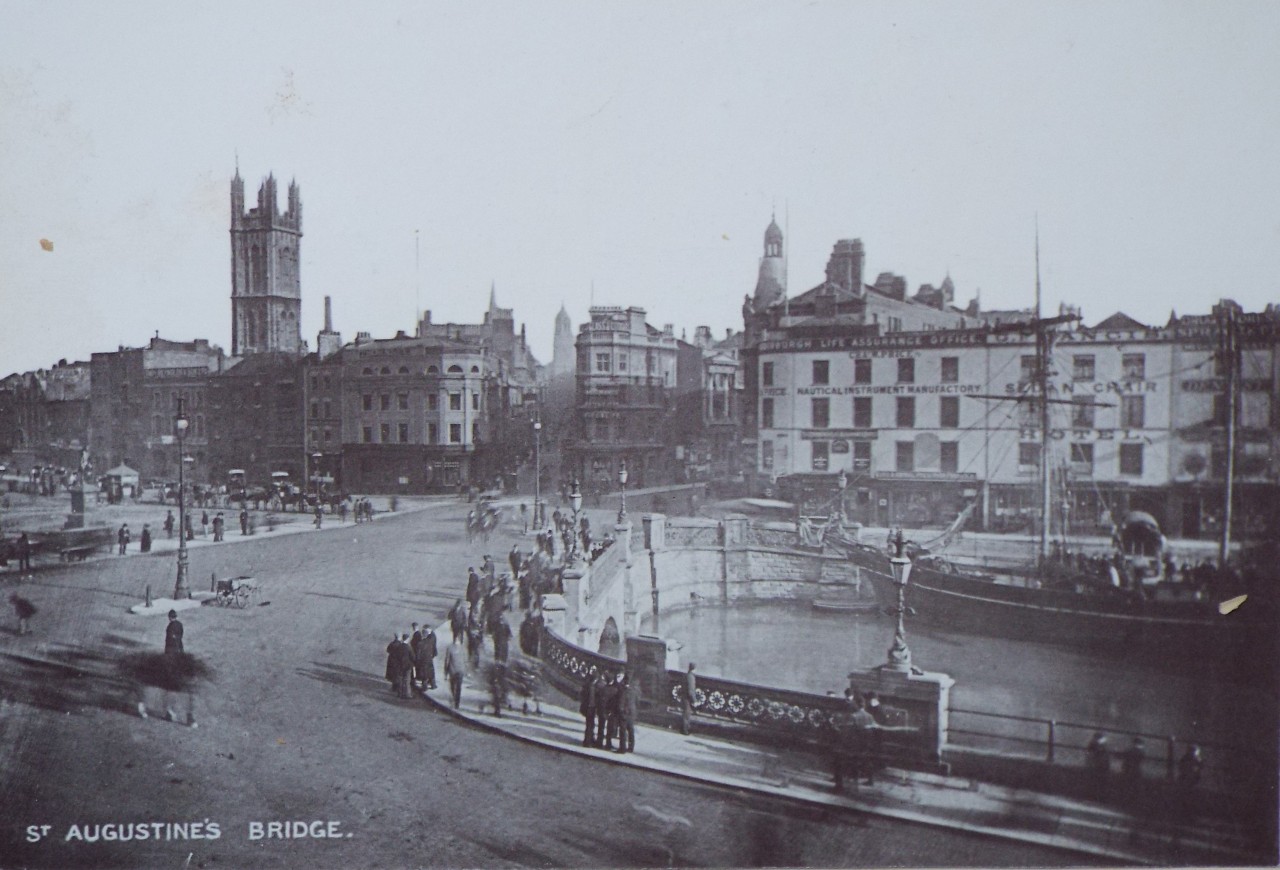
296, 723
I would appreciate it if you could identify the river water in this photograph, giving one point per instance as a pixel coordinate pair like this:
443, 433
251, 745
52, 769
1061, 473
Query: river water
795, 646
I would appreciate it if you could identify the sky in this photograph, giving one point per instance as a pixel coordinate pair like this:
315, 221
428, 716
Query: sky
628, 154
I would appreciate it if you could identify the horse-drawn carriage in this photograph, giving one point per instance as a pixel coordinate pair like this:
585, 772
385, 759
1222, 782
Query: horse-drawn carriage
235, 591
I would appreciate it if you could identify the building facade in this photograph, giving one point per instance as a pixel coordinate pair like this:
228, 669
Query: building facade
133, 399
923, 423
255, 419
625, 401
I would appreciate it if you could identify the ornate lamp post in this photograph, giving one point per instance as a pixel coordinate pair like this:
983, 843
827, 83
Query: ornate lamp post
537, 470
315, 471
842, 482
899, 654
575, 499
180, 424
622, 481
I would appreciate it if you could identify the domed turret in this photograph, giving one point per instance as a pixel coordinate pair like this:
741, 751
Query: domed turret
772, 283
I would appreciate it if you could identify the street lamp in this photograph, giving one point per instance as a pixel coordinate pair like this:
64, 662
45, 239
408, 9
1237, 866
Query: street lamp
899, 654
537, 470
575, 499
622, 480
180, 424
842, 482
315, 470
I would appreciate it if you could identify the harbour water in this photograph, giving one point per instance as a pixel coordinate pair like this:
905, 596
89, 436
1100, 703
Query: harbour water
795, 646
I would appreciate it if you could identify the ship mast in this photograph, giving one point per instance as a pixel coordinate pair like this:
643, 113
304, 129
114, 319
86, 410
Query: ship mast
1044, 343
1230, 356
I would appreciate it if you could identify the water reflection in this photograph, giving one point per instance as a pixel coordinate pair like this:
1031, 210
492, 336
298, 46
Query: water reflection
792, 645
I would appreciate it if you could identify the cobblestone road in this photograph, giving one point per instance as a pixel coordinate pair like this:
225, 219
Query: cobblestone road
296, 723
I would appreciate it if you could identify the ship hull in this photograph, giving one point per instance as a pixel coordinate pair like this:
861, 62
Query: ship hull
1106, 621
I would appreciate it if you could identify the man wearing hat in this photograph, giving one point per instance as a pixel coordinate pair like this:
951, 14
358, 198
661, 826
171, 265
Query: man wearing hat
173, 635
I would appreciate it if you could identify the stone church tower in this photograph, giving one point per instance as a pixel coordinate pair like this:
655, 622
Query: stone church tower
564, 359
266, 287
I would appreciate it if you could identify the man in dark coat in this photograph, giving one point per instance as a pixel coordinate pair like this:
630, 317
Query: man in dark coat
501, 638
173, 635
244, 521
414, 640
606, 711
515, 559
628, 712
122, 538
474, 588
392, 659
425, 659
168, 524
403, 655
455, 668
144, 540
690, 695
458, 620
588, 706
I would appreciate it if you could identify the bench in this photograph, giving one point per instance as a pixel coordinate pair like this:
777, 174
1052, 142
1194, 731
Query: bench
77, 554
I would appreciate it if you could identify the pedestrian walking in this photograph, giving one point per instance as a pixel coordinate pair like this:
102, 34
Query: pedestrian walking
501, 638
589, 706
688, 700
854, 744
168, 524
188, 530
498, 687
455, 669
24, 610
319, 516
204, 524
122, 538
342, 511
425, 659
628, 712
219, 527
24, 554
475, 639
515, 560
244, 521
524, 518
144, 540
173, 633
474, 588
458, 620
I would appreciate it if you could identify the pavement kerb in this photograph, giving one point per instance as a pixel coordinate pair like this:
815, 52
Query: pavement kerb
830, 801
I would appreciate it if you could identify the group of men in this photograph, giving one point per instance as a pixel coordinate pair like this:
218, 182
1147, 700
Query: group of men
610, 704
411, 661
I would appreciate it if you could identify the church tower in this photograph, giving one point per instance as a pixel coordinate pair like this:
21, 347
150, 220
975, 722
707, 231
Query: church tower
564, 357
266, 286
771, 286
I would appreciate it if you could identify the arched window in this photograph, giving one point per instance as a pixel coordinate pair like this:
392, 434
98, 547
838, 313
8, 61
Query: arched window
367, 371
433, 370
455, 370
404, 370
475, 370
386, 370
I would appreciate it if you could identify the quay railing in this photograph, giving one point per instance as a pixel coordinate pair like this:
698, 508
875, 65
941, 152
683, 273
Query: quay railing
1059, 742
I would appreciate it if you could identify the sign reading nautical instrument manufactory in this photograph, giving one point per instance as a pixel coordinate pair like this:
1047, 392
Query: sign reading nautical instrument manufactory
926, 475
828, 434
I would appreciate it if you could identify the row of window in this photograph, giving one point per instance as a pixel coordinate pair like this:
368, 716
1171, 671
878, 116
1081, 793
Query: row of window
1132, 412
1130, 456
402, 434
402, 402
163, 425
191, 400
1133, 368
604, 362
821, 373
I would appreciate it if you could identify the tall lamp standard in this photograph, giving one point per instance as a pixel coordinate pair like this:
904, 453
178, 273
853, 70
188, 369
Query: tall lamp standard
537, 470
180, 423
842, 482
899, 654
315, 471
575, 499
622, 481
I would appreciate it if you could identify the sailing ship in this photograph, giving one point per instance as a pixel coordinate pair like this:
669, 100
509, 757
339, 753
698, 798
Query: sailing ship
1126, 602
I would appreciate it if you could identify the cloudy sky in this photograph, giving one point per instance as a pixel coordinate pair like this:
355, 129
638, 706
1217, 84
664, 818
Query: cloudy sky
634, 148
